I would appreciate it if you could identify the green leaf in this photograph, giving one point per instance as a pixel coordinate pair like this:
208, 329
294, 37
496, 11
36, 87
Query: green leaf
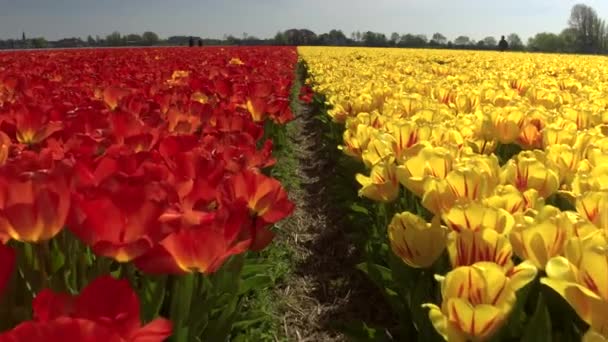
182, 293
252, 318
152, 296
256, 282
359, 209
252, 269
380, 275
539, 326
361, 332
423, 294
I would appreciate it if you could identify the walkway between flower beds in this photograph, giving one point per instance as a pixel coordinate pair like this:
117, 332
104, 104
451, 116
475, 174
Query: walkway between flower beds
326, 293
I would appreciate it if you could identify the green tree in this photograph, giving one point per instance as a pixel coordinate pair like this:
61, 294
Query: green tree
546, 42
90, 41
280, 38
462, 40
134, 38
395, 37
589, 27
490, 41
439, 38
39, 43
150, 38
114, 39
569, 38
515, 42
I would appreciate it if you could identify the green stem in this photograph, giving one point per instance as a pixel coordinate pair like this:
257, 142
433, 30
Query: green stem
182, 293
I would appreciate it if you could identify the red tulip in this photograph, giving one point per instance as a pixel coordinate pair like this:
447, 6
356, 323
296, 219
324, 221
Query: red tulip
264, 196
106, 310
202, 248
34, 202
33, 125
63, 329
5, 145
123, 224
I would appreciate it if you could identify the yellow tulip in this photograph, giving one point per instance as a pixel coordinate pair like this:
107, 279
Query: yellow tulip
543, 238
356, 141
476, 216
477, 300
503, 124
468, 247
507, 197
529, 170
556, 134
378, 150
594, 336
593, 206
487, 165
466, 103
580, 278
583, 119
430, 161
418, 243
406, 135
462, 183
565, 159
382, 185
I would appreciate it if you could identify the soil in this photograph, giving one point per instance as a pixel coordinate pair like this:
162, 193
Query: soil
326, 290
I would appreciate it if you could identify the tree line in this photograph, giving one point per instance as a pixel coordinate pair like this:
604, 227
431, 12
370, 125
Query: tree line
586, 33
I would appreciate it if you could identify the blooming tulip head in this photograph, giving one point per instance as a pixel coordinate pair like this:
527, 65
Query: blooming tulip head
34, 203
468, 247
529, 170
579, 276
429, 162
418, 243
477, 300
543, 238
382, 185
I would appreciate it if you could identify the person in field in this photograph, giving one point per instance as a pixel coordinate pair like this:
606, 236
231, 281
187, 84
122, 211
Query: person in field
200, 42
191, 42
503, 45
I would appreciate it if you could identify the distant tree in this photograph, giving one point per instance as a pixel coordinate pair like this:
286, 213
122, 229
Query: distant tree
150, 38
545, 41
411, 40
337, 37
134, 38
395, 37
439, 38
588, 26
280, 38
39, 43
114, 39
300, 37
515, 42
91, 41
490, 41
374, 39
462, 40
569, 40
358, 35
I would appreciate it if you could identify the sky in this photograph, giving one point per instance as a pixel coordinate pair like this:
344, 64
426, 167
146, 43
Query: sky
54, 19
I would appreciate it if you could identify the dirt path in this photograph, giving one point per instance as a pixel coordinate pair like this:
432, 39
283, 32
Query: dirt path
325, 290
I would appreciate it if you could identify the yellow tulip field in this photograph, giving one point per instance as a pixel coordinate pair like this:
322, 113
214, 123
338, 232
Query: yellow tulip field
486, 175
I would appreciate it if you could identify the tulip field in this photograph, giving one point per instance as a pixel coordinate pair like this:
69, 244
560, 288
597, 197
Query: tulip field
144, 165
137, 189
485, 177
